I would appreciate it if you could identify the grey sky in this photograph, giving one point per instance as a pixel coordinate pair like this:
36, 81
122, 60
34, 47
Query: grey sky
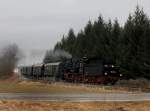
36, 25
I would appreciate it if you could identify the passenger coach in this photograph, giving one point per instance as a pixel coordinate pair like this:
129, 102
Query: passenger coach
50, 71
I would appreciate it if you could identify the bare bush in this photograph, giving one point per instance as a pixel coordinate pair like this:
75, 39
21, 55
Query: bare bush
9, 58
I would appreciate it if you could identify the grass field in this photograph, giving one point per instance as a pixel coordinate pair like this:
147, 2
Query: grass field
37, 87
14, 85
24, 105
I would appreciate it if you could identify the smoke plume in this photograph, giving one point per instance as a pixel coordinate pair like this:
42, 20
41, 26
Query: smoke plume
62, 53
9, 58
56, 55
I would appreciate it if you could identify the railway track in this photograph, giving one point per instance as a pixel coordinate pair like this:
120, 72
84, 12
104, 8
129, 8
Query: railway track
76, 97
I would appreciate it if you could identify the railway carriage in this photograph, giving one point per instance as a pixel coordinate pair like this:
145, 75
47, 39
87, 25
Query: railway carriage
38, 71
26, 71
52, 71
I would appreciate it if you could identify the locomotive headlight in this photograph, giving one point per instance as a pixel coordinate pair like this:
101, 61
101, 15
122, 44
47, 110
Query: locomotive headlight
105, 73
105, 65
112, 65
120, 75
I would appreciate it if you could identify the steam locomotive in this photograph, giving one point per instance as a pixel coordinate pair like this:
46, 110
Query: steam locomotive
85, 70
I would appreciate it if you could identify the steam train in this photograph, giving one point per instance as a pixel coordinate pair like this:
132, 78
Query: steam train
85, 70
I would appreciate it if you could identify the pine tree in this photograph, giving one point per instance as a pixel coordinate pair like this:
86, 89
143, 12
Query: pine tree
115, 41
70, 41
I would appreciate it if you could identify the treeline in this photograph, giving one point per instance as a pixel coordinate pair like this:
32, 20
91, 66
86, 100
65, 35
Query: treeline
128, 46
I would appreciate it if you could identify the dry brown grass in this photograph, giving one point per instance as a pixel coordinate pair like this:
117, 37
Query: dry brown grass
24, 105
37, 87
141, 83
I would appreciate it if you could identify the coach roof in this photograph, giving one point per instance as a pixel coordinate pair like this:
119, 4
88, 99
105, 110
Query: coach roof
38, 65
54, 63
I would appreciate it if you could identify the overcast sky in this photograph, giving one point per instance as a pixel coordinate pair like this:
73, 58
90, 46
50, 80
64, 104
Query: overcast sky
36, 25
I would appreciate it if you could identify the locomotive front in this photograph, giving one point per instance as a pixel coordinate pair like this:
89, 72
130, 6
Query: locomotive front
91, 70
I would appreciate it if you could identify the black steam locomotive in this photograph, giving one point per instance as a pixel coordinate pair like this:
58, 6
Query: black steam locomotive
85, 70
